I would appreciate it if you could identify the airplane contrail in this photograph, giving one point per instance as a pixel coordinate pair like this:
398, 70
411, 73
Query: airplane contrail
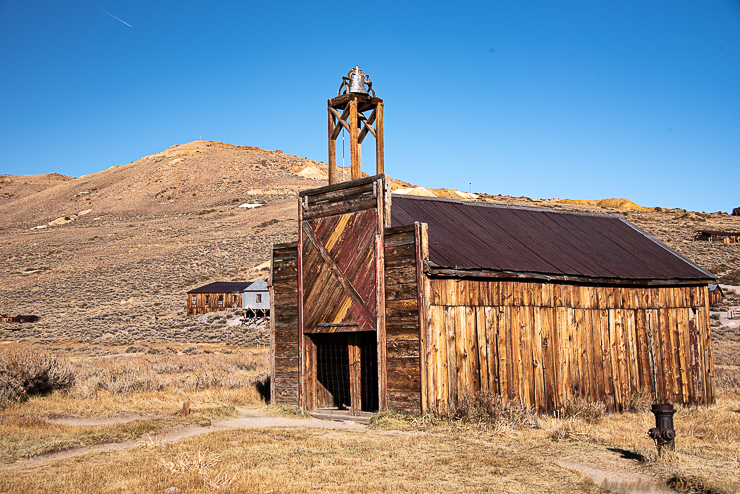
116, 18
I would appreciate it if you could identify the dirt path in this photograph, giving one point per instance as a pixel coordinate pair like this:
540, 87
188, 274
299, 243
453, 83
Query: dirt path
617, 481
247, 420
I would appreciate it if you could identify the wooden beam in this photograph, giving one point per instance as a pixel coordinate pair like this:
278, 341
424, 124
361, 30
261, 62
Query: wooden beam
379, 146
342, 120
355, 373
354, 146
339, 186
332, 150
367, 126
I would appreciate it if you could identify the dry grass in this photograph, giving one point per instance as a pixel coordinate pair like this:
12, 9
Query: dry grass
301, 460
148, 385
481, 445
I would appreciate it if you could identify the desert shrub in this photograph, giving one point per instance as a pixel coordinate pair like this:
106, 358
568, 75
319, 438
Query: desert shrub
639, 402
731, 278
489, 410
727, 380
588, 411
25, 373
570, 429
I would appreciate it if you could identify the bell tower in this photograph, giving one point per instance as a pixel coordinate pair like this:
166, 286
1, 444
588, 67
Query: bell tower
348, 110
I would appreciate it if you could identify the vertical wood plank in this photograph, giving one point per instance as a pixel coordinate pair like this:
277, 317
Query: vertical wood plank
537, 359
481, 331
441, 377
673, 351
563, 325
632, 353
452, 370
682, 328
599, 393
581, 355
491, 322
504, 353
353, 343
549, 355
606, 359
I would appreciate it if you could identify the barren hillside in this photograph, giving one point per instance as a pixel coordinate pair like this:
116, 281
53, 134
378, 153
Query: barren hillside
107, 258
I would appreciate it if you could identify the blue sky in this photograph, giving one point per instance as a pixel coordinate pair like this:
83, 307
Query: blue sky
589, 100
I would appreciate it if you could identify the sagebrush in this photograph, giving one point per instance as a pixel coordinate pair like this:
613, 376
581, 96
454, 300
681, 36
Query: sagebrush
25, 372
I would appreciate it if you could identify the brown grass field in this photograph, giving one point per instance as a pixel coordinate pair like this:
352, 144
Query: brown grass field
468, 449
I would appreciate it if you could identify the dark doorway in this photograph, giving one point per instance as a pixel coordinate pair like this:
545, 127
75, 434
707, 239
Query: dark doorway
339, 357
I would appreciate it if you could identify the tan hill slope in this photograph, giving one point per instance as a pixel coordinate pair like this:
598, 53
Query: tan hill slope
171, 221
183, 178
14, 187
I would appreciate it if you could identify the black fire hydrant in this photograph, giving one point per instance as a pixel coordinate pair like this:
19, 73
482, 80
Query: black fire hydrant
663, 433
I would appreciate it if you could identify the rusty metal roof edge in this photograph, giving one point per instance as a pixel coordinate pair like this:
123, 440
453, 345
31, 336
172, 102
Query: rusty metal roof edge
508, 206
512, 275
669, 249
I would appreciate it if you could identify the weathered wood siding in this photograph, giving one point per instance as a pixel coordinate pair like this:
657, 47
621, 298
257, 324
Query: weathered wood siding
284, 335
340, 272
208, 302
546, 342
403, 342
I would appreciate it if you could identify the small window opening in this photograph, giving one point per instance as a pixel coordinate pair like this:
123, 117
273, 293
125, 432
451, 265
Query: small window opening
259, 298
208, 298
220, 300
193, 299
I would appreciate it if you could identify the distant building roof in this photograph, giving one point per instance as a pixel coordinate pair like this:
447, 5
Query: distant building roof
222, 287
257, 286
532, 241
715, 232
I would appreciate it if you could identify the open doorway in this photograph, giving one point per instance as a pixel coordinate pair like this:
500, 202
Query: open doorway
346, 371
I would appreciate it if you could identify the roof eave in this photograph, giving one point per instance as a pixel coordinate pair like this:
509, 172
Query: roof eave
469, 273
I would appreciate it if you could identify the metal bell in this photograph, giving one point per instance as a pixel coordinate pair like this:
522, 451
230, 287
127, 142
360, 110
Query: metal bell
357, 81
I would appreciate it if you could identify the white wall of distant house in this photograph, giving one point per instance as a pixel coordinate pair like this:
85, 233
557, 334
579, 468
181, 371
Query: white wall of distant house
250, 300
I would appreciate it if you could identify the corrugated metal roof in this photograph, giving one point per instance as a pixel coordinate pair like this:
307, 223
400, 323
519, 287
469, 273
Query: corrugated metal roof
475, 236
222, 287
257, 286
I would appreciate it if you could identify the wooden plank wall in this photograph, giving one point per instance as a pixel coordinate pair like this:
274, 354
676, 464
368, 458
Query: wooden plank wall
340, 282
546, 342
284, 343
231, 300
402, 319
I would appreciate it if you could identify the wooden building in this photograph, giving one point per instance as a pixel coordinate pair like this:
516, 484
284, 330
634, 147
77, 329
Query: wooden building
409, 303
213, 297
716, 296
718, 236
4, 318
412, 304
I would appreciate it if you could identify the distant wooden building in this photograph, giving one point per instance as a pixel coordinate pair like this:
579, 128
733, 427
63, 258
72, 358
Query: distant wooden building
213, 297
4, 318
716, 296
413, 304
718, 236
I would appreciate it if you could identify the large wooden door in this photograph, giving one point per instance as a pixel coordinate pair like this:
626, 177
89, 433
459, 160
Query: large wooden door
341, 271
